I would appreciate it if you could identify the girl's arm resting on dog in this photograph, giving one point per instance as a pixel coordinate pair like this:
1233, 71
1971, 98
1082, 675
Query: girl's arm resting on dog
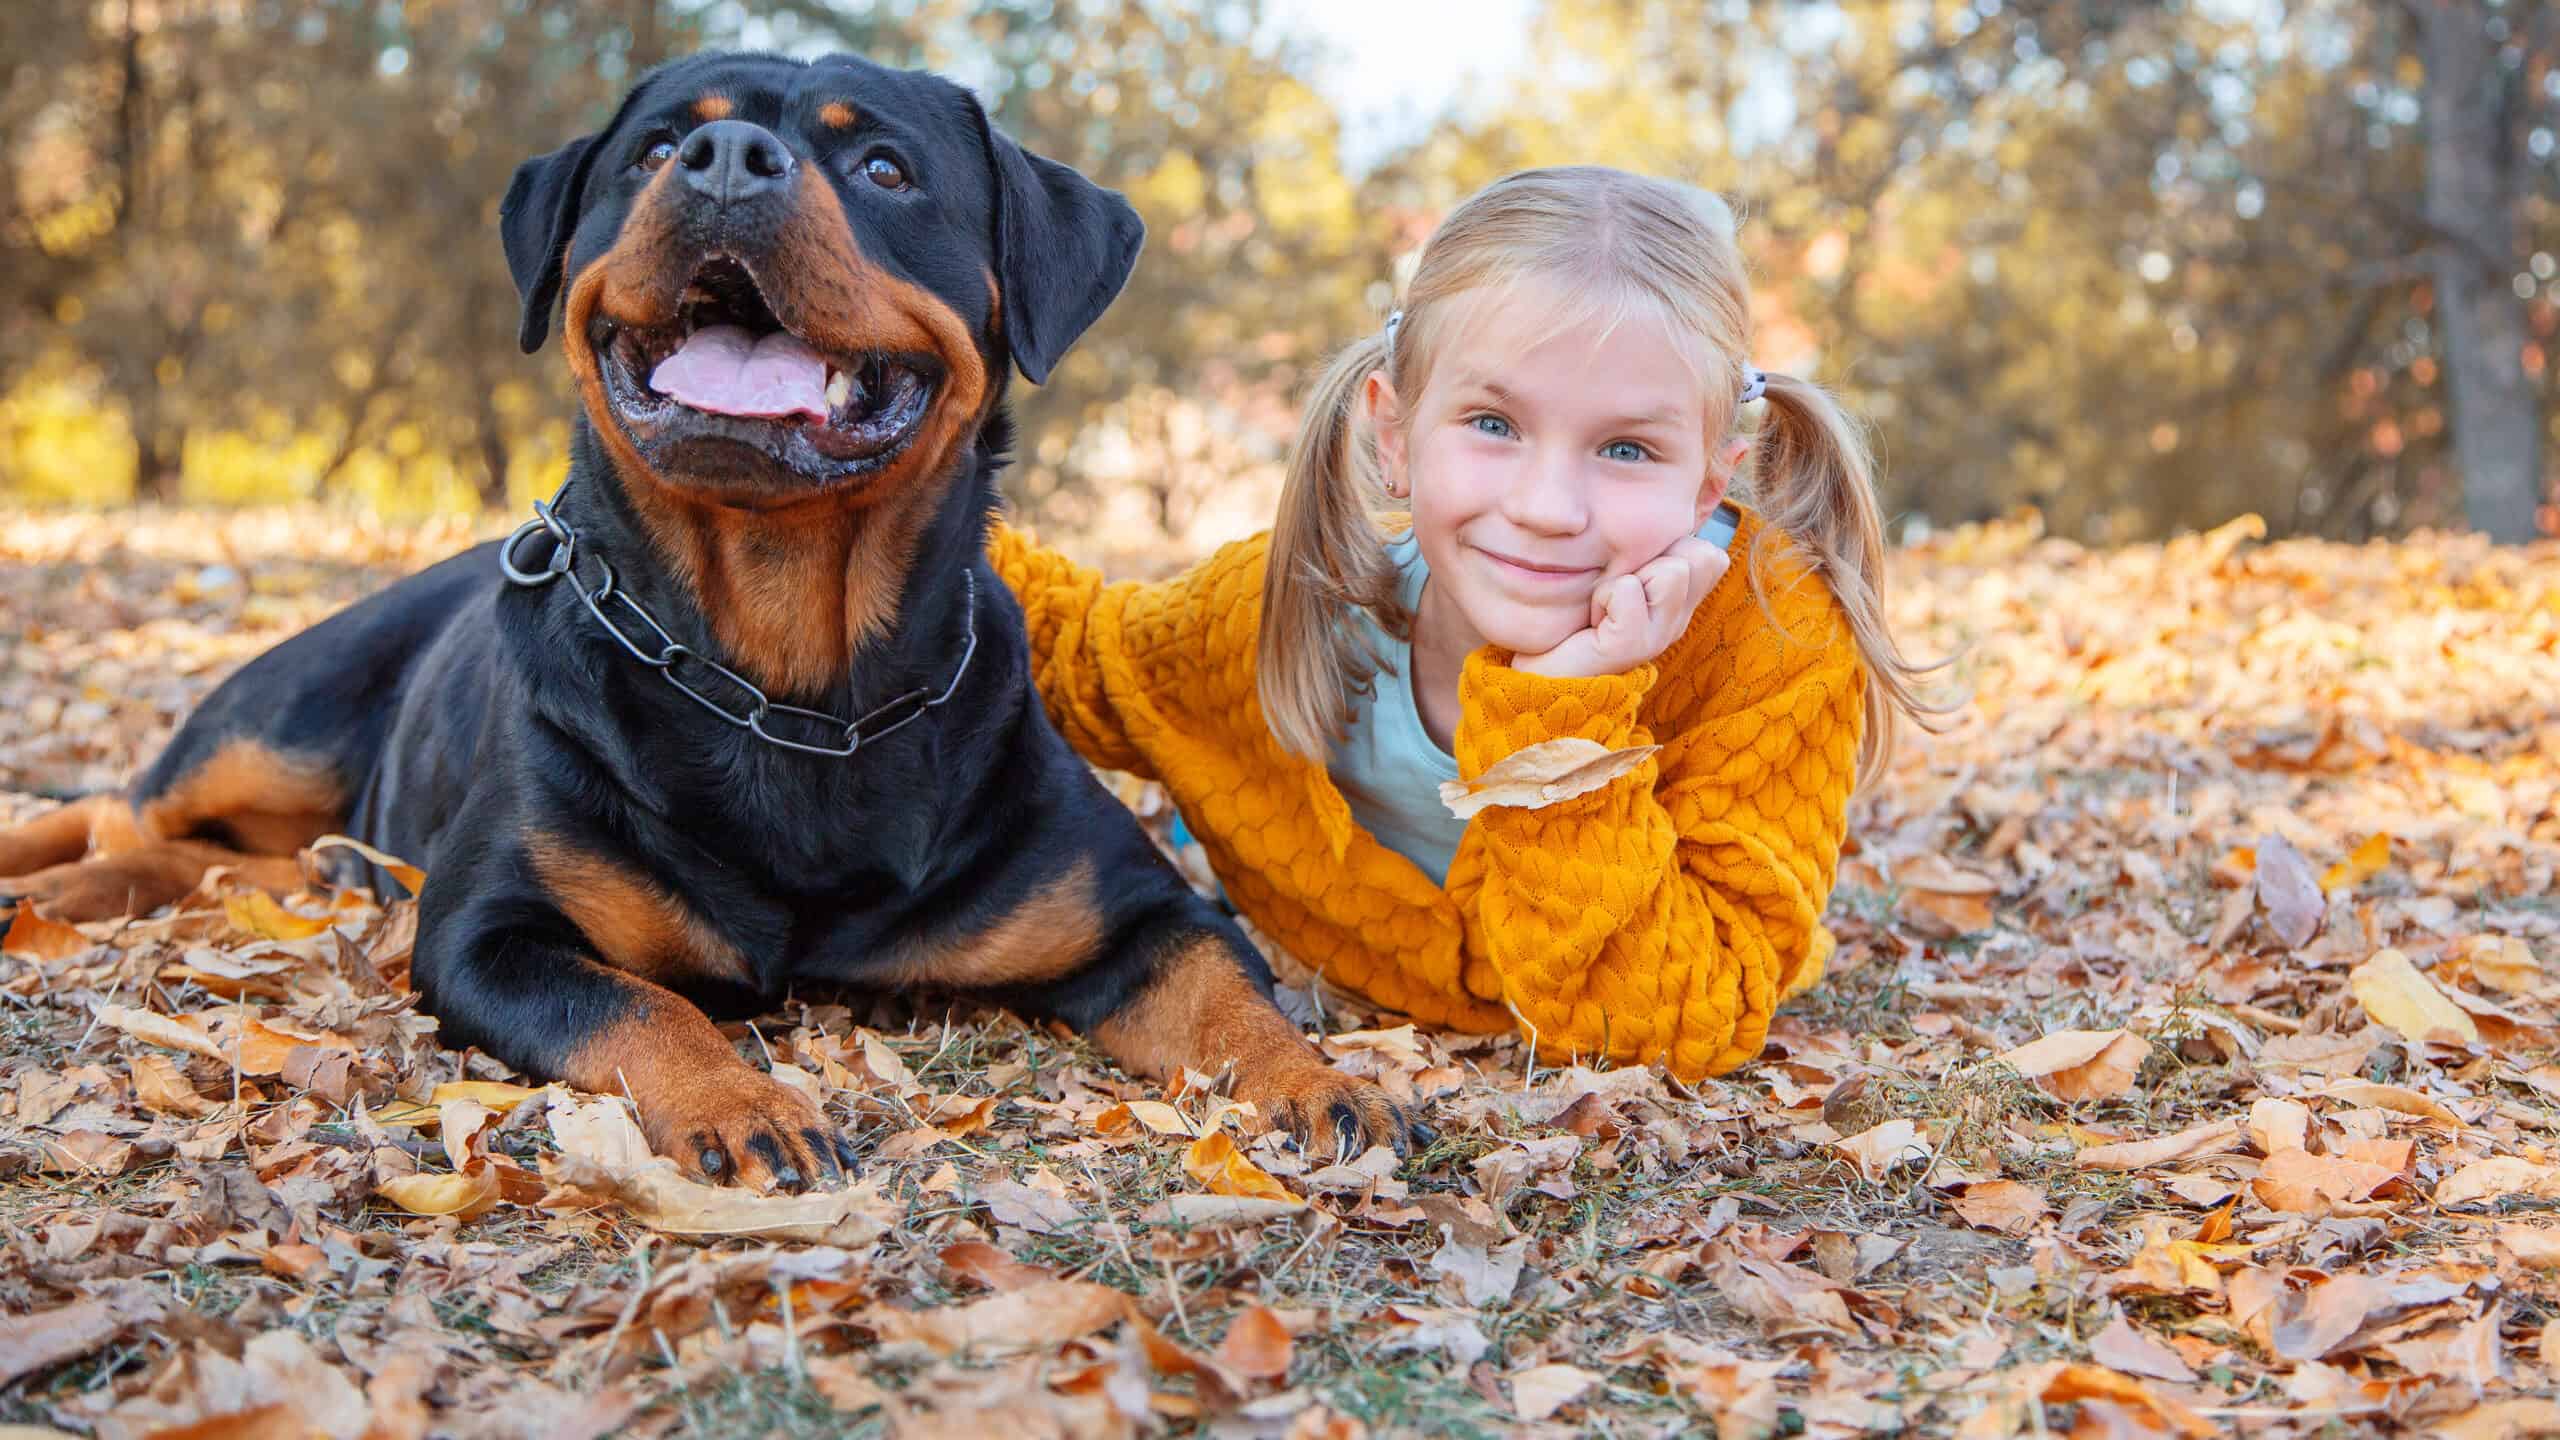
1070, 664
1663, 916
1118, 663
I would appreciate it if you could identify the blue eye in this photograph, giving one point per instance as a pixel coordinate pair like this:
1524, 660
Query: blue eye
1626, 450
1490, 424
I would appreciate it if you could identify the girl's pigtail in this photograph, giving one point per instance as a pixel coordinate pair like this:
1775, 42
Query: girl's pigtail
1326, 556
1814, 478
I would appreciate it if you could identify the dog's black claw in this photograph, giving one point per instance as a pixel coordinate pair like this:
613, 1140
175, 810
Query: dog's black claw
844, 1154
829, 1168
1346, 1131
1424, 1137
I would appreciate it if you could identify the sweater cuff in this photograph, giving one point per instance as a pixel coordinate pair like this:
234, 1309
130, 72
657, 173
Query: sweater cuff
1502, 710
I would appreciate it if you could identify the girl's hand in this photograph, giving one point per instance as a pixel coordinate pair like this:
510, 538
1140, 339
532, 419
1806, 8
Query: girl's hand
1636, 617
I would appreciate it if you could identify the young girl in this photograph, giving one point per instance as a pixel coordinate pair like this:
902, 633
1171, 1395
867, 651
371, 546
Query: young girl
1556, 403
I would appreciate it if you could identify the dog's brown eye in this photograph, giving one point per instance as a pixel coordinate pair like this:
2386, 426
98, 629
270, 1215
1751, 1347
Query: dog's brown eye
884, 172
658, 155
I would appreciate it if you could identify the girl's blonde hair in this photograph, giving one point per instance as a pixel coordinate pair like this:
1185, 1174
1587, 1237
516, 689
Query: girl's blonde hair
1614, 243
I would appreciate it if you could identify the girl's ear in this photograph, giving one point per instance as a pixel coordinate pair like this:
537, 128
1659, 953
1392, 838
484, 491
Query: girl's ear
1384, 414
1720, 470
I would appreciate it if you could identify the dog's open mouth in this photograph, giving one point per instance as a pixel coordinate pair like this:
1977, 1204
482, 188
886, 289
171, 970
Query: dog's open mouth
725, 369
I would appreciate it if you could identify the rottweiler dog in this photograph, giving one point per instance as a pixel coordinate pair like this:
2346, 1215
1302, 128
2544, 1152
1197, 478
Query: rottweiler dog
744, 707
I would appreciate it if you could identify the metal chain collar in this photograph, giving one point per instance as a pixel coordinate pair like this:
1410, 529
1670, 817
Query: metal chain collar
848, 736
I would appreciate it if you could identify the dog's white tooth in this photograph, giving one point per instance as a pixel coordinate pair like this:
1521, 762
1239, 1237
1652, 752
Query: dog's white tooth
839, 388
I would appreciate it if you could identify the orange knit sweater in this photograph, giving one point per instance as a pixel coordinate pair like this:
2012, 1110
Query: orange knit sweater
1661, 917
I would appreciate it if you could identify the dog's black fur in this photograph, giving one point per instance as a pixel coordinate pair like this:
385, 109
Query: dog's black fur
606, 858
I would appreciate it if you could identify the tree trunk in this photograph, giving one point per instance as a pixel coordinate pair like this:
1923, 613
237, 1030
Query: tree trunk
2471, 206
493, 466
158, 467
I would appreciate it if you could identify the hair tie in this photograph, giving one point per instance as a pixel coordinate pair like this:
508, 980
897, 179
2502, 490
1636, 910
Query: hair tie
1753, 387
1394, 319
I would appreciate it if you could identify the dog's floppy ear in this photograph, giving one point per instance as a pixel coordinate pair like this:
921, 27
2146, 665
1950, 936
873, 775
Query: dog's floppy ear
535, 222
1064, 247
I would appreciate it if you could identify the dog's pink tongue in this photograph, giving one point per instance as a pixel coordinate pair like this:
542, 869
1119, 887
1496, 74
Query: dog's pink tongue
726, 371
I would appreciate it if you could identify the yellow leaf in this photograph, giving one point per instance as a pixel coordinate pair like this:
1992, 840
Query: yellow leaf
257, 912
2367, 861
1159, 1117
463, 1195
1540, 775
498, 1097
2394, 993
1214, 1161
392, 865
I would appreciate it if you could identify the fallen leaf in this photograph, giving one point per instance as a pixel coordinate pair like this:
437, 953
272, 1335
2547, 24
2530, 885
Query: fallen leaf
602, 1155
1877, 1152
2213, 1137
2121, 1347
2276, 1125
1215, 1163
2081, 1064
1536, 776
450, 1193
2287, 892
497, 1095
2306, 1184
177, 1034
1542, 1390
2496, 1177
2395, 994
1482, 1275
1257, 1346
1050, 1313
2073, 1382
978, 1261
258, 913
159, 1086
398, 869
2536, 1247
37, 937
2363, 863
2006, 1206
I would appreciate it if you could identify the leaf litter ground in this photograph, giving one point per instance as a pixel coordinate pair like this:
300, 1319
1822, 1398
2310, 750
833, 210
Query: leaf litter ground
2186, 1067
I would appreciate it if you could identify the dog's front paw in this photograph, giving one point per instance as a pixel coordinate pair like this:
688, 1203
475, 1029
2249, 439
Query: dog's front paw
1331, 1114
747, 1128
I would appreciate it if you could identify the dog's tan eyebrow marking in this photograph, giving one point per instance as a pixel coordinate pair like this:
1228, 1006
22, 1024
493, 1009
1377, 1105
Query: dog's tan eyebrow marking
713, 106
837, 115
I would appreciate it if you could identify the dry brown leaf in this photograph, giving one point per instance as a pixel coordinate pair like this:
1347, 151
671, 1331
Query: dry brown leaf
1052, 1312
1257, 1346
159, 1086
176, 1033
2395, 994
2275, 1125
2072, 1382
2496, 1177
2081, 1064
2007, 1206
1878, 1151
2121, 1347
1541, 1390
978, 1261
1536, 776
2536, 1247
2210, 1138
2306, 1184
2287, 892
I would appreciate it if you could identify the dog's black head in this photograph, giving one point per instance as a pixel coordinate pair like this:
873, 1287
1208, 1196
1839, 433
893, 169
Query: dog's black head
788, 278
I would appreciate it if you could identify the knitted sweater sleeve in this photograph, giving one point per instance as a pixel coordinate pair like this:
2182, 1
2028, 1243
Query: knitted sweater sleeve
1664, 915
1126, 667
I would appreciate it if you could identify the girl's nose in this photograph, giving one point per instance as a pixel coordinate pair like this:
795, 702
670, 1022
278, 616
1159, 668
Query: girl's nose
1545, 497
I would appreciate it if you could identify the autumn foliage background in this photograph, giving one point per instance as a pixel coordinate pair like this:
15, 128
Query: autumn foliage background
2187, 1065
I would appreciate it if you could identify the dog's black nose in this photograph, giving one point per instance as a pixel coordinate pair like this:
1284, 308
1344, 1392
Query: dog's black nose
733, 161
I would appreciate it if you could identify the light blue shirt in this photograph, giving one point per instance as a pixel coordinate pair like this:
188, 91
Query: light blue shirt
1386, 764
